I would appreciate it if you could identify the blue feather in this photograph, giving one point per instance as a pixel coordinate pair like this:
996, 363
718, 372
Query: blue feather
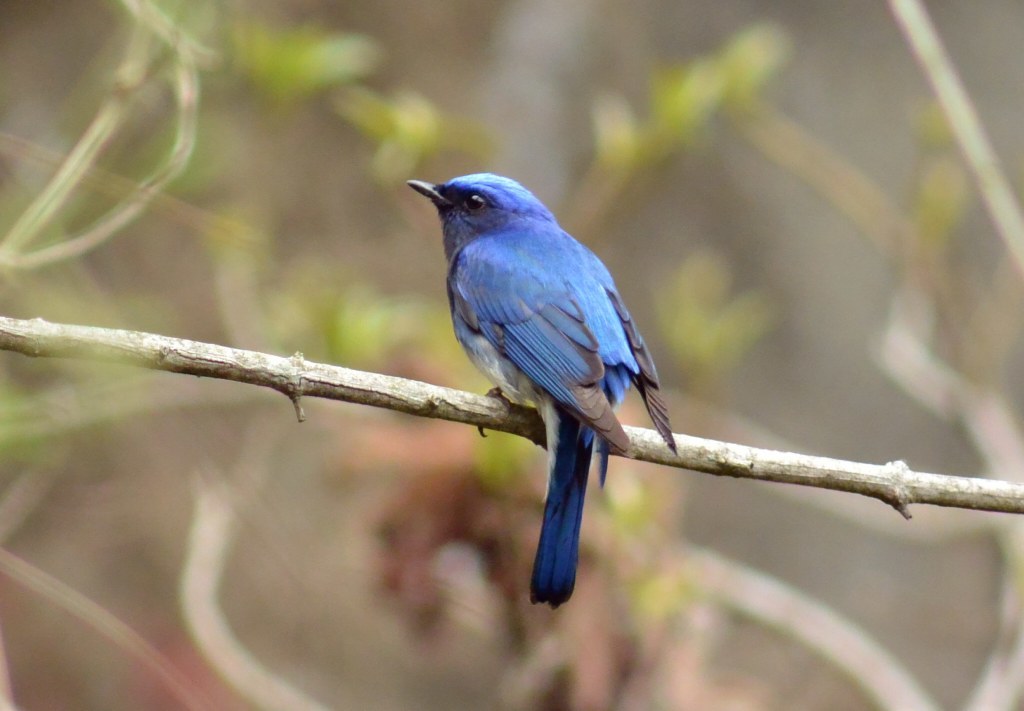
554, 568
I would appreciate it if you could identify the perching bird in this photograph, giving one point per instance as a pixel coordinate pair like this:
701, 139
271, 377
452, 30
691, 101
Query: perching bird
538, 313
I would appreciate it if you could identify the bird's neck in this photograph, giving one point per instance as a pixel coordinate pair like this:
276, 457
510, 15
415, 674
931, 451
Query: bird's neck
452, 247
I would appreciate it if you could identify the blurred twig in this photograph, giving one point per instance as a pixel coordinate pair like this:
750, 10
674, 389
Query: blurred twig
985, 414
20, 499
838, 182
1000, 683
780, 606
992, 425
149, 15
64, 410
6, 689
187, 90
893, 483
130, 77
924, 41
210, 538
105, 623
117, 186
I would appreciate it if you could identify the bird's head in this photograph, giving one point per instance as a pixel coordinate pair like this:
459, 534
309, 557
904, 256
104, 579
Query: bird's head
473, 205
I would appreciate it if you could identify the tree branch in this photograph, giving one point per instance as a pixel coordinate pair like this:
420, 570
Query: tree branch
893, 483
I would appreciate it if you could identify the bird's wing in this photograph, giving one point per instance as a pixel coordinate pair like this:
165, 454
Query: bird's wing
621, 342
646, 379
525, 310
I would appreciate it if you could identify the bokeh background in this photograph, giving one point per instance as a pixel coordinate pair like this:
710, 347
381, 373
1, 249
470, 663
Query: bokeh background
785, 212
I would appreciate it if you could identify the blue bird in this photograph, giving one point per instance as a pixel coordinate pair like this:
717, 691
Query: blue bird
538, 313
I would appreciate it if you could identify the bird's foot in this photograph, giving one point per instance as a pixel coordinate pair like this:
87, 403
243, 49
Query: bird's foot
497, 394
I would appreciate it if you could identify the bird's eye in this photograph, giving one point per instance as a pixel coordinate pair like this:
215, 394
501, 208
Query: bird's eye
475, 202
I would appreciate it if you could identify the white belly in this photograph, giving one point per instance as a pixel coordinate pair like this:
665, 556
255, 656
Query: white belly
512, 381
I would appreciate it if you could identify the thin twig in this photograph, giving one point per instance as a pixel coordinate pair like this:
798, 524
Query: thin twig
780, 606
999, 685
924, 41
985, 414
824, 171
21, 497
6, 687
893, 483
186, 90
992, 425
107, 624
19, 500
63, 411
149, 15
130, 75
118, 187
213, 524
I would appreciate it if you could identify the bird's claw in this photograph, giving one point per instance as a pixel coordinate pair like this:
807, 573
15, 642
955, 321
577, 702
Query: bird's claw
497, 394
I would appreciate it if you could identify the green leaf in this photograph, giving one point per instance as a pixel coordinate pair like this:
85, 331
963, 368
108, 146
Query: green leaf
294, 63
684, 99
617, 136
408, 129
750, 60
708, 328
943, 196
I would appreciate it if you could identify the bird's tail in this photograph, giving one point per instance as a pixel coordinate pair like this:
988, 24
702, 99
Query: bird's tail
554, 569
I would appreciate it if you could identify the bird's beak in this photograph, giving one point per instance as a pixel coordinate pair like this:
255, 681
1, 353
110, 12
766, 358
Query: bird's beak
429, 190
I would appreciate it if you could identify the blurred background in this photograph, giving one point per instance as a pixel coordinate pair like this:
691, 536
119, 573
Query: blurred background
786, 214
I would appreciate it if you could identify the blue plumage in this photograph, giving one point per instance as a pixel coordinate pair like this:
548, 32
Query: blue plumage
538, 313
